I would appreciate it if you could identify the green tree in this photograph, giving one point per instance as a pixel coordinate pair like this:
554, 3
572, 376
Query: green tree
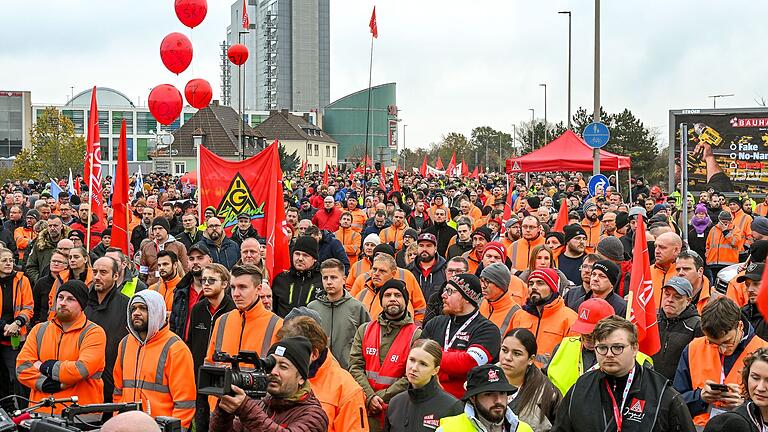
288, 162
491, 145
55, 149
527, 141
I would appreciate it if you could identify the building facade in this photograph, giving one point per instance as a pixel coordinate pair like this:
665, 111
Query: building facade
289, 62
299, 134
15, 122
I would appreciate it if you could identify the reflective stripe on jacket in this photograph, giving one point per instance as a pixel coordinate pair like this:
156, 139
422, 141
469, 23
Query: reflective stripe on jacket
381, 376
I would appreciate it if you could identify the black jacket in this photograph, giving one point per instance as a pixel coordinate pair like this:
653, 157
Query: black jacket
330, 247
176, 227
745, 417
652, 406
200, 325
458, 249
698, 243
444, 234
139, 233
618, 303
421, 409
112, 316
675, 334
188, 240
180, 307
756, 319
238, 236
433, 282
40, 293
228, 254
97, 252
293, 288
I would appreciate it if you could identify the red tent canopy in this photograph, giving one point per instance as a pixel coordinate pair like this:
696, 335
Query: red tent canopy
568, 152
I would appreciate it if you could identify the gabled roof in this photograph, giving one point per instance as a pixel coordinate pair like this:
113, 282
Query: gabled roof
221, 127
283, 125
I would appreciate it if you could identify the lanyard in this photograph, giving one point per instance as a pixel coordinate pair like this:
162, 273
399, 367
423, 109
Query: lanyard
722, 369
448, 331
617, 411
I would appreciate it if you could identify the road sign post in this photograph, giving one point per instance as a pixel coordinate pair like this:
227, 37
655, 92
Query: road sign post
595, 181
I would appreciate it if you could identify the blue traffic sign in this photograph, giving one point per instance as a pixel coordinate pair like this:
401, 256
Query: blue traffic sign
596, 135
595, 181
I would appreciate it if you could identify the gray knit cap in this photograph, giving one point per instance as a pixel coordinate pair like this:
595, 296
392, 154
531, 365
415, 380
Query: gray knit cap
611, 248
498, 274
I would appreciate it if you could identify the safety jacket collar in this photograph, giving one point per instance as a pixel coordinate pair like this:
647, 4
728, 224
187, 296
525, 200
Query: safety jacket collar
254, 311
510, 419
551, 307
80, 322
390, 324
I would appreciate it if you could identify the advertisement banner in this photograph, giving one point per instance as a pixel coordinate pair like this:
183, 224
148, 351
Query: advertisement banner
727, 149
393, 134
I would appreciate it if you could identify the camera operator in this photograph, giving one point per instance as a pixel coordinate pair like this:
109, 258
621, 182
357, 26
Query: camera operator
154, 365
290, 403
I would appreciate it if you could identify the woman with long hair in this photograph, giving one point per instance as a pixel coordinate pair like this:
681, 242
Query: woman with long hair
80, 265
543, 257
536, 400
425, 403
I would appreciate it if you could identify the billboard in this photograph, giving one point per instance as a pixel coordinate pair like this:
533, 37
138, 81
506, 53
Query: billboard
727, 149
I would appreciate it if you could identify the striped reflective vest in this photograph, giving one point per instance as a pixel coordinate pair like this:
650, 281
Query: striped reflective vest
381, 376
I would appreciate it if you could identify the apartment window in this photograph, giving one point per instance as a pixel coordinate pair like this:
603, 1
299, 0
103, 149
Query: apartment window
317, 150
334, 151
327, 151
117, 117
179, 168
309, 149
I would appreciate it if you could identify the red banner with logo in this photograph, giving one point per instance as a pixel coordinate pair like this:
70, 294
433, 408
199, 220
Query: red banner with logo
642, 310
254, 187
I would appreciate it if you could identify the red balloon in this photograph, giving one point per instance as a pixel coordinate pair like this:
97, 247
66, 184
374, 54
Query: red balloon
198, 93
165, 103
237, 54
191, 12
176, 52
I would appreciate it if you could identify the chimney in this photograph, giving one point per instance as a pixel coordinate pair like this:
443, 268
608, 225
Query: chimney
215, 102
284, 110
306, 117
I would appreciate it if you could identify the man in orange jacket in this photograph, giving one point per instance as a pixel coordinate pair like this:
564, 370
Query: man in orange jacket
520, 251
724, 242
23, 235
349, 237
64, 357
592, 226
667, 248
363, 265
342, 398
545, 315
498, 305
167, 266
154, 365
480, 237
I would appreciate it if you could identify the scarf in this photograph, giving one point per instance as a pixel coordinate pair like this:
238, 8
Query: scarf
701, 224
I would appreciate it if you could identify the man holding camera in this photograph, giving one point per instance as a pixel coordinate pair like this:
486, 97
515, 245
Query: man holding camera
290, 403
153, 364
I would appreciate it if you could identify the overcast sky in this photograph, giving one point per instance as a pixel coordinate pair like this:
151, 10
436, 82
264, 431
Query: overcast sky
457, 64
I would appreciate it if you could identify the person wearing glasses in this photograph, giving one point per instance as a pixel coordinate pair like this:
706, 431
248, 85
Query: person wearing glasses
618, 394
709, 372
189, 290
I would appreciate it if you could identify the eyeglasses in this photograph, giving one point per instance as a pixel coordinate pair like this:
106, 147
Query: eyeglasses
615, 349
208, 281
57, 262
728, 343
449, 291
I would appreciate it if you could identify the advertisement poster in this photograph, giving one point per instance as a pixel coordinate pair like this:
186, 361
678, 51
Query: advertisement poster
727, 149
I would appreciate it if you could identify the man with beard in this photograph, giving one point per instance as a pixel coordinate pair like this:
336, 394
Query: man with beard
380, 350
468, 338
173, 222
751, 278
161, 241
223, 250
167, 266
358, 215
214, 303
520, 251
38, 264
591, 225
511, 232
302, 282
306, 211
428, 267
141, 231
480, 237
189, 290
486, 404
463, 239
191, 235
152, 350
441, 230
419, 219
545, 315
375, 226
108, 308
573, 256
328, 217
244, 229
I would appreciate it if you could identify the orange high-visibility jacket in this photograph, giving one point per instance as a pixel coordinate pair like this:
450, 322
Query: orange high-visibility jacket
704, 364
358, 219
737, 291
723, 249
351, 241
159, 373
520, 251
550, 328
63, 277
23, 235
501, 312
343, 400
593, 233
79, 355
23, 303
366, 294
473, 259
363, 265
743, 221
659, 277
394, 235
518, 290
166, 288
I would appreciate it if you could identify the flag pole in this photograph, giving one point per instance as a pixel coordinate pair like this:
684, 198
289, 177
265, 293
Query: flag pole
367, 122
199, 189
90, 204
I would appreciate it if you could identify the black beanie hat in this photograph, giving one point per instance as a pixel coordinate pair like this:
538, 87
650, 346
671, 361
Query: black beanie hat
396, 284
534, 202
610, 269
622, 219
297, 350
385, 248
758, 251
468, 286
483, 231
78, 290
163, 222
572, 231
306, 244
558, 235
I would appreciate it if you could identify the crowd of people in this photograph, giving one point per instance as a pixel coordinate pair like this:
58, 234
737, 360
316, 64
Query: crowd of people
451, 304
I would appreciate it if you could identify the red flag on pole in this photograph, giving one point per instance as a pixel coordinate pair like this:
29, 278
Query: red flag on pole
464, 169
303, 169
439, 164
372, 24
423, 169
450, 170
508, 203
253, 186
325, 175
396, 182
474, 174
762, 296
120, 232
246, 20
642, 310
562, 216
93, 163
383, 175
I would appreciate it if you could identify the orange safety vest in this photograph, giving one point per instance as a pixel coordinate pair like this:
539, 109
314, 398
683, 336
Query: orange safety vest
724, 249
744, 222
363, 265
705, 364
473, 260
550, 329
659, 277
737, 291
520, 252
58, 282
23, 303
166, 288
593, 234
381, 376
350, 239
393, 235
500, 312
358, 219
762, 209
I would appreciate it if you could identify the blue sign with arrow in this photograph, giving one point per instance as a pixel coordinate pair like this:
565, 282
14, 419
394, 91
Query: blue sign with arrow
596, 135
595, 181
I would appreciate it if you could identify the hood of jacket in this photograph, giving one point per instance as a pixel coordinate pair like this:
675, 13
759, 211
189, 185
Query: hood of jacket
155, 311
44, 240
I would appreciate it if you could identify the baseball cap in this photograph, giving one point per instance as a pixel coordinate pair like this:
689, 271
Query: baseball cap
681, 285
753, 272
590, 313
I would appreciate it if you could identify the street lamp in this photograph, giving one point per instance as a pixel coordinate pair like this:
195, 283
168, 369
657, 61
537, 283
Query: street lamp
569, 65
715, 97
500, 156
533, 125
545, 112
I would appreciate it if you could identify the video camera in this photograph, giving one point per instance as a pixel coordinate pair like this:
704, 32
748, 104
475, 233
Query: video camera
218, 381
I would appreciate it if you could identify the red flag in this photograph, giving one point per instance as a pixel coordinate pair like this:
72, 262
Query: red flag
325, 175
120, 232
423, 169
372, 24
383, 176
439, 164
509, 202
762, 296
562, 216
396, 182
450, 170
474, 174
642, 312
303, 169
253, 186
246, 20
464, 169
93, 163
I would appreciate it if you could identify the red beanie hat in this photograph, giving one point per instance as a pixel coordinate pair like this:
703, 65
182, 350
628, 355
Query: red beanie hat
549, 276
498, 247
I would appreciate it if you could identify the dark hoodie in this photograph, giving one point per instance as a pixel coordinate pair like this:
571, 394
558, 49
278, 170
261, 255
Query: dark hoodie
330, 247
675, 334
432, 282
293, 288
